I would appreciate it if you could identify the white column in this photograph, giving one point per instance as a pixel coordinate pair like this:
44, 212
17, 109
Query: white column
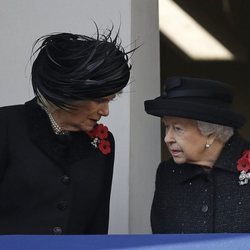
144, 129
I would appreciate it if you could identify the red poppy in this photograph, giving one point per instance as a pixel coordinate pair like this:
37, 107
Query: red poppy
104, 146
93, 132
98, 134
101, 131
244, 162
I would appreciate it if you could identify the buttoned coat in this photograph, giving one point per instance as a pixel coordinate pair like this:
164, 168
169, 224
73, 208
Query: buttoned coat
50, 184
190, 199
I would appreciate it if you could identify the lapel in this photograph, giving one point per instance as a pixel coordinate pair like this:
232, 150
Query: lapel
227, 160
64, 150
231, 153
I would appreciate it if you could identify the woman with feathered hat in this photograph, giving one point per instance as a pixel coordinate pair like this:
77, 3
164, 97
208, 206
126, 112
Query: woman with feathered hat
56, 159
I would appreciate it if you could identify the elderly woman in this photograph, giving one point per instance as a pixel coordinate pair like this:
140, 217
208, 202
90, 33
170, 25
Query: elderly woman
56, 160
204, 187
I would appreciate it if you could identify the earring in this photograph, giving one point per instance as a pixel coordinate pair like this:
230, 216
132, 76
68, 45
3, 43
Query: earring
207, 145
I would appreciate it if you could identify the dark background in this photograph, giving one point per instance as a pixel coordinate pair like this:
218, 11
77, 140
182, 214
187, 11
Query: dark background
229, 22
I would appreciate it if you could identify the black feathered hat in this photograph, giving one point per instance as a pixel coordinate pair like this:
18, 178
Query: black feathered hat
72, 67
197, 99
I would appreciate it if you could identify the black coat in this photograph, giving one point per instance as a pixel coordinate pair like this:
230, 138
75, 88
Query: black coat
50, 184
189, 199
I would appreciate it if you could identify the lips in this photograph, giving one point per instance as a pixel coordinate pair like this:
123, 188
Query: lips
94, 120
175, 152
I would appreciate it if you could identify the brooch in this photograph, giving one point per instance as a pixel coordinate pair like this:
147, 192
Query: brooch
243, 165
99, 137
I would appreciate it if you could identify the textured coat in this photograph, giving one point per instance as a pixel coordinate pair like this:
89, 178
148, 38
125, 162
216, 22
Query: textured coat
189, 199
50, 184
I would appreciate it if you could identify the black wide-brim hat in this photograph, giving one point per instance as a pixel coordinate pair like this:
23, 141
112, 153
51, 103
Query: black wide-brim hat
196, 99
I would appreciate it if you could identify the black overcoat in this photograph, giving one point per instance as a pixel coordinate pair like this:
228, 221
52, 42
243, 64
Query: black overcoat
189, 199
50, 184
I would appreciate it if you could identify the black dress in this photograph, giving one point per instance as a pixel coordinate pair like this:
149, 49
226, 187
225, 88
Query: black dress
189, 199
50, 184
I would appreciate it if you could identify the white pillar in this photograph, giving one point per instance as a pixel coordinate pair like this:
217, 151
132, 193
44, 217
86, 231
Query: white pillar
145, 129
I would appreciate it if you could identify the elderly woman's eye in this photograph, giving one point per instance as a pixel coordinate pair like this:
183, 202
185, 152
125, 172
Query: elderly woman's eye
99, 100
104, 99
178, 129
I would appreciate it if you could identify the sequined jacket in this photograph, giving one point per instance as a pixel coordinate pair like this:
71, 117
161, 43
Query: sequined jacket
50, 184
189, 199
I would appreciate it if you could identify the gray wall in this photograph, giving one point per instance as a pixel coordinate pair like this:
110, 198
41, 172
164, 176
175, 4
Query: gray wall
145, 129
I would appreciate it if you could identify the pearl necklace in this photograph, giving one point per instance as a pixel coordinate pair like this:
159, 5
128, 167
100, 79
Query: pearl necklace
57, 129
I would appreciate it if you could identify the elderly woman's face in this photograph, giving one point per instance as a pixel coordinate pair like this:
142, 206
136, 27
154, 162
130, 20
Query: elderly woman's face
85, 115
184, 140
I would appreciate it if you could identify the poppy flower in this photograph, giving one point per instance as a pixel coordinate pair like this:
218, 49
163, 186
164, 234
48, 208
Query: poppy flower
92, 133
243, 164
104, 146
98, 134
102, 131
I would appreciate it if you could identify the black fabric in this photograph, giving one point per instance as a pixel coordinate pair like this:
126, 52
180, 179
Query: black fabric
198, 99
62, 149
50, 184
208, 93
196, 87
191, 199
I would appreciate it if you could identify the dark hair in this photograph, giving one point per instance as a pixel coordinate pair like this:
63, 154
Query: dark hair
72, 67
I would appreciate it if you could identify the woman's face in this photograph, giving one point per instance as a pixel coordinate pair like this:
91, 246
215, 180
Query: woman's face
184, 140
85, 114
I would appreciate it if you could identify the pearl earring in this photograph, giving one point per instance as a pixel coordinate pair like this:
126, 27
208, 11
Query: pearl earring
207, 145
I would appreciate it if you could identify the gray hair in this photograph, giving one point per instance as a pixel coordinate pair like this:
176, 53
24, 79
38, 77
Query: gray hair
223, 133
44, 104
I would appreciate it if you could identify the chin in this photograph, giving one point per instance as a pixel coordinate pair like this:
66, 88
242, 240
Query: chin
88, 128
179, 160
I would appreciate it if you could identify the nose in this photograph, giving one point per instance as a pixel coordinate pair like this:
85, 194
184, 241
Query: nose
104, 109
169, 136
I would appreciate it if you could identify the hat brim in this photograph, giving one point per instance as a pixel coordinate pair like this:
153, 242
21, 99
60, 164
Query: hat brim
194, 111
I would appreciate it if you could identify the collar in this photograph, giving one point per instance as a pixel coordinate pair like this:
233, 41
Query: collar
227, 161
62, 149
231, 153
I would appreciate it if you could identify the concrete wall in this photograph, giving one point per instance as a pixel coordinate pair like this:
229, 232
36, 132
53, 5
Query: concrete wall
144, 129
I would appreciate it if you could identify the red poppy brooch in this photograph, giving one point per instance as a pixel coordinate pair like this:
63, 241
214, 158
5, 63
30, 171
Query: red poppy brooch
99, 137
243, 166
